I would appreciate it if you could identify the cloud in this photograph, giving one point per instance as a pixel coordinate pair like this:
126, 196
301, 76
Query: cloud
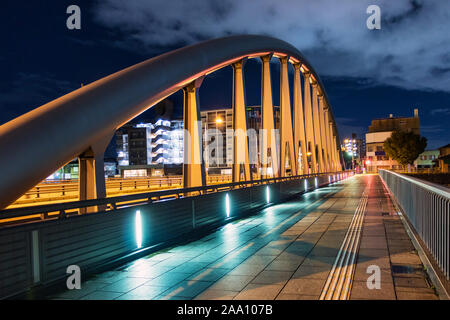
412, 49
27, 91
442, 111
347, 127
431, 129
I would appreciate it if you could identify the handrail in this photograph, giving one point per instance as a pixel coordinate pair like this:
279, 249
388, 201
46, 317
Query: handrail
433, 187
146, 197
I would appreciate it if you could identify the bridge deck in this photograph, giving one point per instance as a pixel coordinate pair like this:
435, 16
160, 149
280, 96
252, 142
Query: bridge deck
285, 252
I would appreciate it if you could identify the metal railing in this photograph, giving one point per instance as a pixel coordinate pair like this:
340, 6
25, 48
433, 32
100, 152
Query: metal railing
427, 207
69, 188
73, 208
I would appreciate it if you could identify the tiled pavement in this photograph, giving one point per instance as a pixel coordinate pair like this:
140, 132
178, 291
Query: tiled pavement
285, 252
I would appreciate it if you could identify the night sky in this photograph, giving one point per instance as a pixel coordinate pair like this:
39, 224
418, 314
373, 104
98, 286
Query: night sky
367, 73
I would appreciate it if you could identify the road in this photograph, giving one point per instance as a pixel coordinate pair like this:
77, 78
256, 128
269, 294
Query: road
320, 245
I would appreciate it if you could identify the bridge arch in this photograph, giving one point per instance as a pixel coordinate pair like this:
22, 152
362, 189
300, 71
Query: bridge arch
82, 122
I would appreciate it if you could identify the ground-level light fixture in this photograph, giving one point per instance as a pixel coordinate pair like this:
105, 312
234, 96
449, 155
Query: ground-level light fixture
138, 228
227, 205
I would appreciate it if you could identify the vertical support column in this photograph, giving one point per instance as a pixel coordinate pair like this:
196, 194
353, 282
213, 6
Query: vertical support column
327, 134
336, 154
240, 141
333, 151
299, 124
91, 176
91, 173
268, 148
316, 119
286, 135
322, 132
193, 166
309, 126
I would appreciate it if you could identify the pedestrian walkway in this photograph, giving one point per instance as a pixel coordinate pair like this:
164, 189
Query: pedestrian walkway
300, 249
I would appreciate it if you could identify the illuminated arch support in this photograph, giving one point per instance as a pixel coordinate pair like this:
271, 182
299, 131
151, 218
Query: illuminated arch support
240, 142
316, 119
336, 153
323, 137
43, 140
326, 122
310, 139
193, 166
267, 134
299, 123
286, 135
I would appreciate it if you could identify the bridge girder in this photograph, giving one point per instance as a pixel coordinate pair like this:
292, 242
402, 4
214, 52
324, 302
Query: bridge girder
39, 142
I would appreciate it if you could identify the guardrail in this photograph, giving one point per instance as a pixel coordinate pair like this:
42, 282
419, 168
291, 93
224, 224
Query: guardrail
73, 208
427, 207
65, 188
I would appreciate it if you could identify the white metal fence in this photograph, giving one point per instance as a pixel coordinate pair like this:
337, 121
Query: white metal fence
427, 207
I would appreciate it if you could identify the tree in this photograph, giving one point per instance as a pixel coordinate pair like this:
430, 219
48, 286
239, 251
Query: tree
405, 147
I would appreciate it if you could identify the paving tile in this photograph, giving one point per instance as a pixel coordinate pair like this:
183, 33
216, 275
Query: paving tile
188, 289
149, 272
247, 269
102, 295
168, 279
272, 277
289, 296
232, 283
209, 274
125, 285
360, 291
190, 267
226, 263
255, 291
209, 294
416, 296
304, 286
143, 292
362, 275
373, 242
406, 258
412, 282
284, 265
110, 276
259, 260
86, 288
312, 272
318, 261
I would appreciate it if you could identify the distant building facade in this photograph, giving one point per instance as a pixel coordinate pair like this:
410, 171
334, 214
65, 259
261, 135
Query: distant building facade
426, 160
145, 149
355, 150
444, 159
222, 120
379, 131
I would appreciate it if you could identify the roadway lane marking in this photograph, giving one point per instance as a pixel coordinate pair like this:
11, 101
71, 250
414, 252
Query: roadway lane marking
340, 278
